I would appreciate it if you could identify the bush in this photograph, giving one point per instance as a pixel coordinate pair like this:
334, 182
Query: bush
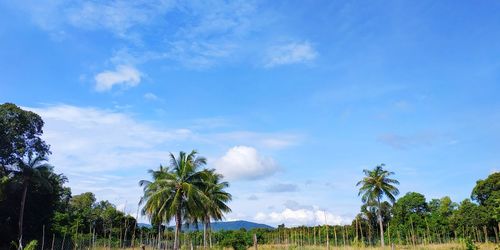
469, 244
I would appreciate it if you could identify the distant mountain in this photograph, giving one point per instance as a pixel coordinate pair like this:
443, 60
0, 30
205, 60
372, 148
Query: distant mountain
235, 225
221, 225
143, 225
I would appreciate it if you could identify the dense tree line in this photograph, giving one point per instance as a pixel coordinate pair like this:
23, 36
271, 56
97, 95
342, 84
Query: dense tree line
412, 219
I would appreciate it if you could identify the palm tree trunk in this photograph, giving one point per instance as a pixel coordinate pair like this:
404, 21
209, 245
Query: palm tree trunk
21, 214
178, 225
379, 215
209, 234
205, 227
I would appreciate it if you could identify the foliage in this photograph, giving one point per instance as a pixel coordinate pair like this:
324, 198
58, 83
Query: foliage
375, 185
237, 239
410, 210
32, 245
185, 192
469, 244
487, 193
40, 208
20, 135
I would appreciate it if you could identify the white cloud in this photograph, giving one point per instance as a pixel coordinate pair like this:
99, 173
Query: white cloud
90, 139
242, 162
125, 75
118, 17
291, 53
300, 216
150, 96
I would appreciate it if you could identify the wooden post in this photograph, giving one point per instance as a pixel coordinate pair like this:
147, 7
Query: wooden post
356, 238
347, 234
327, 234
362, 235
485, 234
389, 232
53, 239
314, 235
496, 234
335, 235
327, 239
43, 236
343, 235
255, 241
62, 245
159, 236
109, 240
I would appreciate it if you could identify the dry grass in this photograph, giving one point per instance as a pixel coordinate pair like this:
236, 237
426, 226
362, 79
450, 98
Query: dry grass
447, 246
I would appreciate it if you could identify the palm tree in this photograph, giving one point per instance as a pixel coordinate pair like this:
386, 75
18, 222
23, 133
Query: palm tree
217, 197
375, 185
176, 191
30, 170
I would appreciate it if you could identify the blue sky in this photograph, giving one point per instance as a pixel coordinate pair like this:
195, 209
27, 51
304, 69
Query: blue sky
289, 99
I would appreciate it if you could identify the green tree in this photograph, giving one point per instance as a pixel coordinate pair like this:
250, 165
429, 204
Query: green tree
82, 211
487, 194
374, 187
468, 216
20, 136
30, 171
214, 190
440, 214
175, 192
410, 212
369, 216
237, 239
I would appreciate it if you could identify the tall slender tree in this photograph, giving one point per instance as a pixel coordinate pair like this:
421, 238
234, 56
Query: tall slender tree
176, 191
216, 206
28, 171
374, 186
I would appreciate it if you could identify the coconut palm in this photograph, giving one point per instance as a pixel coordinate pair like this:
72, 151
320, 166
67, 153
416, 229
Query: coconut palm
30, 170
375, 185
217, 199
176, 191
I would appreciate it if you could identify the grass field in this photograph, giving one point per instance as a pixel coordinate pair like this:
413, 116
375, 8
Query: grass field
447, 246
419, 247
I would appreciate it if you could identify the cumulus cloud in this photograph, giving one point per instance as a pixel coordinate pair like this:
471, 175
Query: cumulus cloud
124, 75
243, 162
290, 53
301, 216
